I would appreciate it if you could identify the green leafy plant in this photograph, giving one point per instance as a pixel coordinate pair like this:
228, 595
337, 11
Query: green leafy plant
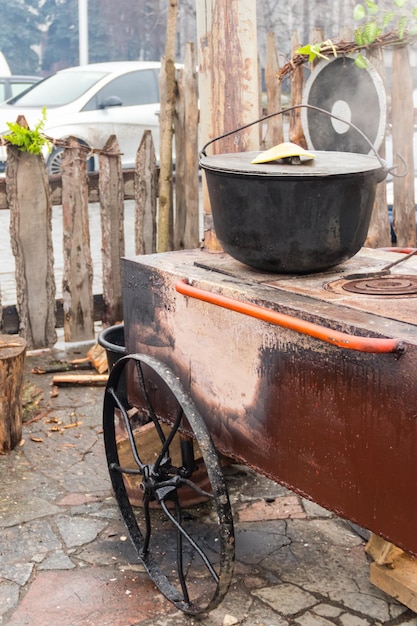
26, 139
399, 23
376, 26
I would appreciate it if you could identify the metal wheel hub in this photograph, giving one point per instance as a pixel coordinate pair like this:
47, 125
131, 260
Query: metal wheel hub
157, 485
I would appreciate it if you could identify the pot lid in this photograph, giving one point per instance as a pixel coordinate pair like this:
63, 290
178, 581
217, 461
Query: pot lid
325, 164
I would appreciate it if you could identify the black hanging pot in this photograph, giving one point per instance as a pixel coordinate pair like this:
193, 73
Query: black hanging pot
292, 218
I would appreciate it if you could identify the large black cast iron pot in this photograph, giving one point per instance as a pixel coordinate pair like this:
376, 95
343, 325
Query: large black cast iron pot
292, 218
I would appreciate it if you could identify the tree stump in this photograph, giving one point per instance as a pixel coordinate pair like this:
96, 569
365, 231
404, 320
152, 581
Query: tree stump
12, 369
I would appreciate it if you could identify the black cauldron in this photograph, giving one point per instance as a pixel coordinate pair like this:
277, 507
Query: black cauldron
292, 218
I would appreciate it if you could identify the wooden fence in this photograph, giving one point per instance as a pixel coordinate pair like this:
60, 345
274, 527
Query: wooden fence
30, 195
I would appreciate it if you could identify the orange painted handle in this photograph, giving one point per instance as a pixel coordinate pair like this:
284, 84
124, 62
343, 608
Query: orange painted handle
342, 340
402, 250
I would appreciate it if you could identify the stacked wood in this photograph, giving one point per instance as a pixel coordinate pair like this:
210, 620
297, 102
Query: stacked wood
12, 364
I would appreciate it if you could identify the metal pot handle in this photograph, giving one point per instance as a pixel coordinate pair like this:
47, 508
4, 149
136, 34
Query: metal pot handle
314, 108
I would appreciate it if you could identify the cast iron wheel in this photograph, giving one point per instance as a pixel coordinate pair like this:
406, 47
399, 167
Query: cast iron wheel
161, 461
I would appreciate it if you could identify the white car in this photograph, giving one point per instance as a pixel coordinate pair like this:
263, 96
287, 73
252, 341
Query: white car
92, 102
11, 86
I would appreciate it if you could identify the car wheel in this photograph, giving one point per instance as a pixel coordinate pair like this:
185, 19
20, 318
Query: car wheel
54, 162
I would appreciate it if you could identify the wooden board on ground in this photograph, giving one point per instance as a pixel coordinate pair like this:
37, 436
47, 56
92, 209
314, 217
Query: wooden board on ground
399, 581
381, 551
394, 571
80, 379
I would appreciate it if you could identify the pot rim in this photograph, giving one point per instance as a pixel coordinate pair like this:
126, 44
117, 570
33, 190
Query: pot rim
326, 164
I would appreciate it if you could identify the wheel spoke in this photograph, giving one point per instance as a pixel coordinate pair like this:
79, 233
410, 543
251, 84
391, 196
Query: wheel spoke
168, 440
180, 559
147, 524
196, 488
190, 540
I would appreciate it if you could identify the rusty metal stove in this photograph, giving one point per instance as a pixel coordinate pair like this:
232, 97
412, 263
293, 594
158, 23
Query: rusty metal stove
338, 426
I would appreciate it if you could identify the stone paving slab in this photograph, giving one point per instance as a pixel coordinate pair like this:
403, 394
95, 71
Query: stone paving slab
65, 557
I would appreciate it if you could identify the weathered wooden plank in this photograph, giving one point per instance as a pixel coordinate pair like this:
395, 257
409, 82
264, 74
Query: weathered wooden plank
180, 146
402, 143
228, 83
112, 229
296, 133
12, 373
166, 202
186, 232
29, 199
379, 232
274, 126
166, 125
399, 580
146, 182
382, 551
228, 73
77, 284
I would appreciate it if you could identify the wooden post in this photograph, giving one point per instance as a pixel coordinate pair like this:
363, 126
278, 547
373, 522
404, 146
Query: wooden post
274, 132
296, 133
29, 200
12, 370
317, 36
186, 231
77, 284
379, 232
111, 194
145, 185
228, 82
402, 142
168, 87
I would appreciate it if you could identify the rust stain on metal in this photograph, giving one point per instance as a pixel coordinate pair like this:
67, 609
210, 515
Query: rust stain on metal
336, 426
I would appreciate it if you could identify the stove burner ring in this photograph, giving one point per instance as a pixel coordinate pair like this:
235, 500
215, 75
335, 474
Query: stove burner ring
398, 285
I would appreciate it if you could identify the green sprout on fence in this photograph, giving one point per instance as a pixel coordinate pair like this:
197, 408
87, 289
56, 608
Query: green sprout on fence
376, 27
28, 140
399, 24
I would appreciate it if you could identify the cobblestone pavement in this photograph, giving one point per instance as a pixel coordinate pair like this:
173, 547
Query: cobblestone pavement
65, 559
